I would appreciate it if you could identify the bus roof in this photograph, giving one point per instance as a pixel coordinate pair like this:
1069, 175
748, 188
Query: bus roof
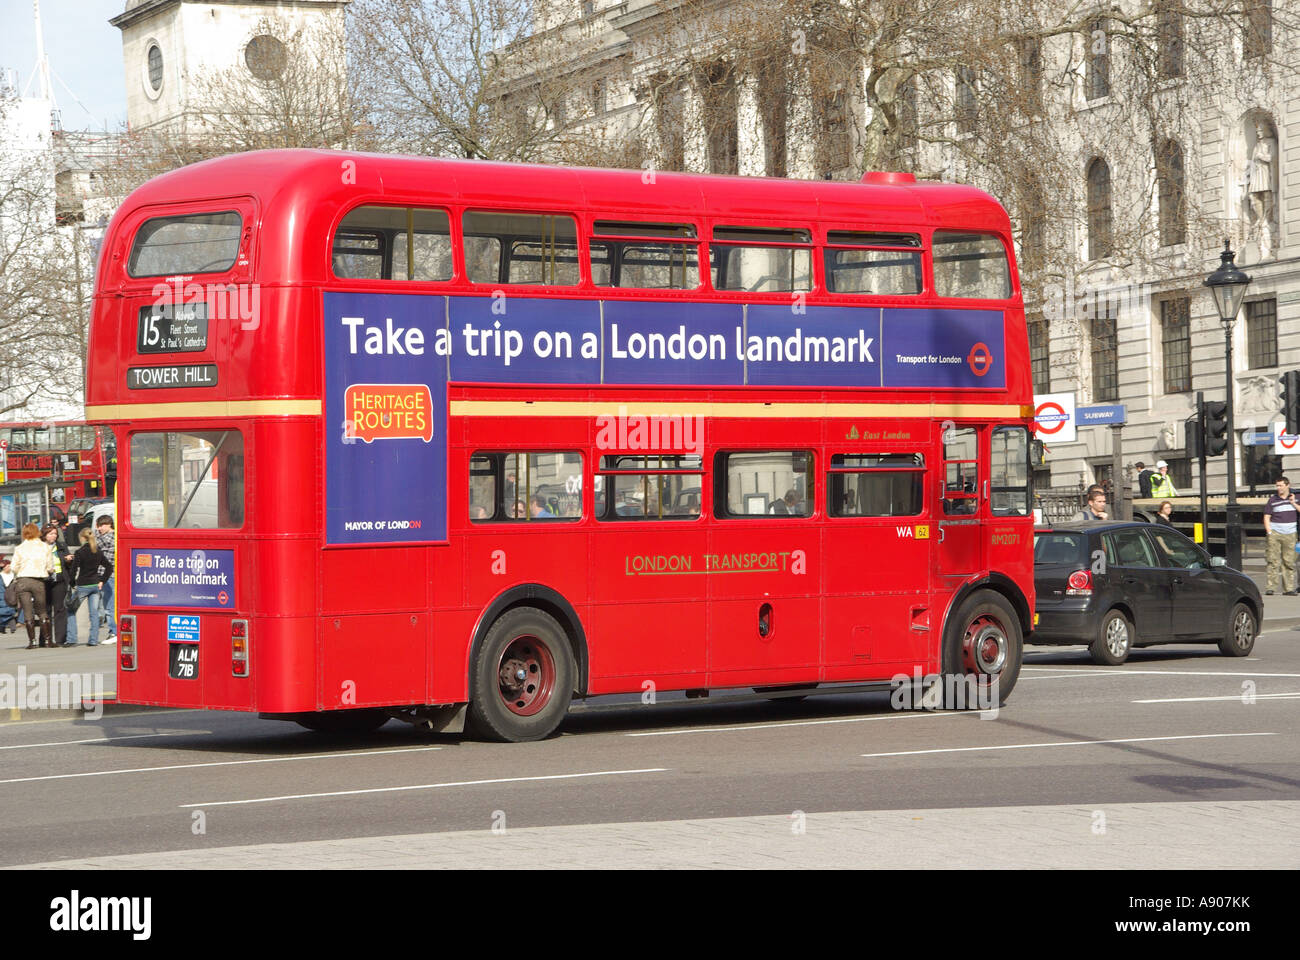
288, 182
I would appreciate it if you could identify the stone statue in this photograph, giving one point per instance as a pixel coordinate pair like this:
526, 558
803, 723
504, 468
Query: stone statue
1260, 188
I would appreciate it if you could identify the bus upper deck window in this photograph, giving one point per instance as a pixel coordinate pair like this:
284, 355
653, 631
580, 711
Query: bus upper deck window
521, 248
970, 266
883, 264
393, 243
647, 256
189, 243
761, 259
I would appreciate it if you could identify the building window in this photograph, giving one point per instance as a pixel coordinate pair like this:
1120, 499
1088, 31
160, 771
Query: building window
1040, 355
1105, 352
154, 60
719, 98
1257, 31
265, 57
1176, 344
1171, 179
1030, 51
670, 123
966, 103
834, 147
1099, 213
1169, 38
1097, 72
1180, 474
774, 108
1261, 333
598, 98
1260, 467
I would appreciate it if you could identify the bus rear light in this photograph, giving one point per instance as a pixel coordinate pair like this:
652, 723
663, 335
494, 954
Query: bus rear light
239, 648
1079, 584
126, 642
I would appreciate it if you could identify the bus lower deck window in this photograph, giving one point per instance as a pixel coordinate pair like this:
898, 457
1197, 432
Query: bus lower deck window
525, 487
187, 480
654, 487
876, 485
774, 483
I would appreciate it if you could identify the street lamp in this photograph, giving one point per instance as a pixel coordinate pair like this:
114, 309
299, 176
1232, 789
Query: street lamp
1228, 285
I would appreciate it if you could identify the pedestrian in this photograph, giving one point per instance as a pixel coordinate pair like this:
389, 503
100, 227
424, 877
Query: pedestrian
106, 537
8, 614
88, 571
1161, 484
1280, 516
1094, 510
1166, 513
33, 564
56, 585
1145, 474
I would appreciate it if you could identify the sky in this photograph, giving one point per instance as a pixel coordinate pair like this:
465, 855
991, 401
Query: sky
85, 53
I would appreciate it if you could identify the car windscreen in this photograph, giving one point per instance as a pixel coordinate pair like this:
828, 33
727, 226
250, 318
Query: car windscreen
1058, 547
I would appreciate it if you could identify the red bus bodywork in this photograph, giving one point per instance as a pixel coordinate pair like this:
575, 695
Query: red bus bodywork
396, 625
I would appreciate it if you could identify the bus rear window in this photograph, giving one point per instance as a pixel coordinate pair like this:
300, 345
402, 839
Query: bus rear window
187, 480
191, 243
971, 266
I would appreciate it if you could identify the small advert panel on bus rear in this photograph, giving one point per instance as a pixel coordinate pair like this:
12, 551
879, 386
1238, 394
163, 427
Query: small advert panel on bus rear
386, 419
183, 578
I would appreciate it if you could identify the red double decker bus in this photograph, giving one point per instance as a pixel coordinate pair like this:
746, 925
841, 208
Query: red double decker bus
452, 441
77, 459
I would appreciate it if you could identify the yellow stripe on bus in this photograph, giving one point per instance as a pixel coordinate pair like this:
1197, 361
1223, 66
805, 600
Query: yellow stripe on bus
207, 408
576, 408
819, 411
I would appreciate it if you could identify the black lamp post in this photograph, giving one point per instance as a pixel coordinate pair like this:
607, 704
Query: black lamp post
1228, 285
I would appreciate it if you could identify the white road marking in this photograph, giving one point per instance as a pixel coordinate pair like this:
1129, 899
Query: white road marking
219, 763
1236, 696
425, 786
1121, 672
809, 723
62, 743
1065, 743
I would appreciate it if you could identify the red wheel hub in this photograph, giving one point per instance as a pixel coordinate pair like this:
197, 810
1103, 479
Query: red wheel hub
526, 676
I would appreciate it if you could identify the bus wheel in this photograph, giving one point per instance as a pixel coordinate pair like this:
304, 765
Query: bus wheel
343, 721
985, 644
521, 680
1242, 628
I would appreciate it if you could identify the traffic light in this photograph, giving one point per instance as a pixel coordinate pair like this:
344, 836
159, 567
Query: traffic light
1192, 437
1216, 427
1291, 401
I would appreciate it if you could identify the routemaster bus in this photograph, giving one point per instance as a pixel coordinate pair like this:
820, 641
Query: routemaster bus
75, 458
480, 438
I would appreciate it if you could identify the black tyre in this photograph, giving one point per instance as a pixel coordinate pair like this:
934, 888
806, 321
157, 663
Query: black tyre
522, 678
983, 647
343, 721
1243, 627
1114, 640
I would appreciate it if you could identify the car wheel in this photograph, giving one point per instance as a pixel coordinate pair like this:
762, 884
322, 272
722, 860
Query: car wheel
1114, 640
1242, 629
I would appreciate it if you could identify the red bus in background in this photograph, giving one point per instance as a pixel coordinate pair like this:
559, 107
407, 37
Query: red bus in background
77, 459
459, 441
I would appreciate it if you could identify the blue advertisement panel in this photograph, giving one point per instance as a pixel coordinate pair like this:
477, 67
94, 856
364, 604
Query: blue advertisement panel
943, 348
183, 578
786, 345
386, 361
673, 343
518, 340
8, 515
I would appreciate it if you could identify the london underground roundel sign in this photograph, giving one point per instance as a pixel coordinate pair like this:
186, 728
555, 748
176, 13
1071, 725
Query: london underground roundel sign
1054, 417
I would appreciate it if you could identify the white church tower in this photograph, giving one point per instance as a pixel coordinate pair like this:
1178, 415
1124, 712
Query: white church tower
175, 49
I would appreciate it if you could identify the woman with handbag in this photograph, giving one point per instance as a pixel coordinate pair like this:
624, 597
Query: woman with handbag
56, 586
33, 564
87, 572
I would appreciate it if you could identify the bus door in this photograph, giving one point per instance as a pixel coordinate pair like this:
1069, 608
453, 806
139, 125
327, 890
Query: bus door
877, 544
963, 480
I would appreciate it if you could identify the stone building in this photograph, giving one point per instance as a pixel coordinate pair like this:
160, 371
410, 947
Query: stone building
175, 50
1138, 329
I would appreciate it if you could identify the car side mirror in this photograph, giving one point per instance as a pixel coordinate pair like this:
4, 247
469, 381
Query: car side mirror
1218, 562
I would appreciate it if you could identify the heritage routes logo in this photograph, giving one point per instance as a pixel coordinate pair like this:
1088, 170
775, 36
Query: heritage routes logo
388, 411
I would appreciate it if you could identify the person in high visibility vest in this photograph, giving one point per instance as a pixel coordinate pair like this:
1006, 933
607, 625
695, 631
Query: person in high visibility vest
1161, 485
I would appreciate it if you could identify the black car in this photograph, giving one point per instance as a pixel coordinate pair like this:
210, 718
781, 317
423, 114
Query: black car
1115, 586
